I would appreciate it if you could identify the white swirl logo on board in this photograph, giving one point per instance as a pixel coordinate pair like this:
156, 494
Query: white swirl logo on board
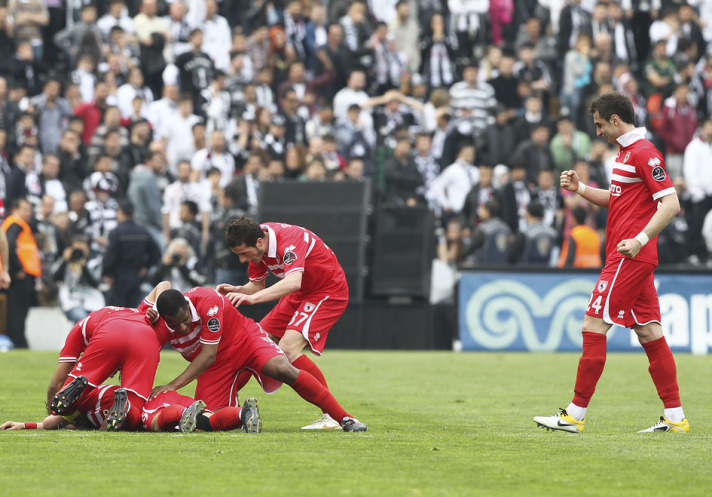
501, 311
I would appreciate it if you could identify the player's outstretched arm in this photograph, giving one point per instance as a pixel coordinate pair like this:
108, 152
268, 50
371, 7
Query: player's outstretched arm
291, 283
248, 289
51, 422
570, 181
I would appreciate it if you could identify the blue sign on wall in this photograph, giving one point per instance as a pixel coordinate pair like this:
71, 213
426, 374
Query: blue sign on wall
543, 312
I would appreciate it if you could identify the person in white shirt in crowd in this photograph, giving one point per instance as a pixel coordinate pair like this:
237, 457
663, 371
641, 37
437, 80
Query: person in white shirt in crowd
218, 103
406, 32
134, 88
116, 16
102, 209
51, 184
177, 133
698, 178
449, 190
217, 39
215, 155
147, 22
178, 192
163, 110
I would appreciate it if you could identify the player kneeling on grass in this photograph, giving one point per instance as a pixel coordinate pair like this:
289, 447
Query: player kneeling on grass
221, 343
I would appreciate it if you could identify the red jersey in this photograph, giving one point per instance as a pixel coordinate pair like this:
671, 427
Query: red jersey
80, 334
214, 322
293, 248
638, 182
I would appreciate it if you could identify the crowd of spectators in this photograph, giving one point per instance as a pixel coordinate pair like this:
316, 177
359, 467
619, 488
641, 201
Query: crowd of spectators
158, 120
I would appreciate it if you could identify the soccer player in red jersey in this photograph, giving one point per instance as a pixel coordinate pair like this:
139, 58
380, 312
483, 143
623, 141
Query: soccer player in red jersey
221, 343
312, 291
641, 201
108, 340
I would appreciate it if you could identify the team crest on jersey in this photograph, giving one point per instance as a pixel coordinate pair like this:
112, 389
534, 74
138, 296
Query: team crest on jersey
659, 173
308, 307
602, 285
212, 311
627, 156
654, 162
214, 325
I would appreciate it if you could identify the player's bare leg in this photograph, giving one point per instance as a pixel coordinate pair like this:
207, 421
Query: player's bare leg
310, 390
664, 374
292, 344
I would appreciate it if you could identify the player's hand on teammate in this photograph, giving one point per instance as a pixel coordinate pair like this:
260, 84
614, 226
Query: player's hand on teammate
224, 288
151, 316
238, 298
629, 247
12, 425
160, 389
569, 180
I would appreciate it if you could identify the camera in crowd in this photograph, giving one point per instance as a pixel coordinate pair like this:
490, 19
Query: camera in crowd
77, 255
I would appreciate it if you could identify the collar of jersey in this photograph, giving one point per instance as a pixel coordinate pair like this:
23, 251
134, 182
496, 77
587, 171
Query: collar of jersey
272, 249
632, 136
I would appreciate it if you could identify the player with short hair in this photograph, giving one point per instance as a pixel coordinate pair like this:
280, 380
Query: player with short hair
221, 343
312, 291
641, 201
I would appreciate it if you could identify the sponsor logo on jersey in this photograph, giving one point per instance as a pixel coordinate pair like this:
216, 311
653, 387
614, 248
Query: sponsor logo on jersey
615, 190
654, 162
627, 156
214, 325
602, 285
621, 314
213, 311
289, 257
317, 337
659, 173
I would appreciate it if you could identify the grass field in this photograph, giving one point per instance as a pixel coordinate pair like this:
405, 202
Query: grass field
438, 424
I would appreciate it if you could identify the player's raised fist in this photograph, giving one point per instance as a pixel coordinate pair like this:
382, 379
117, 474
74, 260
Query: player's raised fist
569, 180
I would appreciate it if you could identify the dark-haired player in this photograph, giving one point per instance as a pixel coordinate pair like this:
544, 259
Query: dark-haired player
641, 201
312, 291
221, 343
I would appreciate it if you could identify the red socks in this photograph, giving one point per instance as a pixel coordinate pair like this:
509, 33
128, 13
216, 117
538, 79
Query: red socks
312, 391
169, 417
590, 367
663, 371
305, 364
227, 418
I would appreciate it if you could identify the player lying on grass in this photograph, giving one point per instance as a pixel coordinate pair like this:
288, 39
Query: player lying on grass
167, 412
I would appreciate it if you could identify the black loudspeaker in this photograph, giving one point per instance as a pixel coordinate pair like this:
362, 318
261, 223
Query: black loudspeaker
335, 212
403, 251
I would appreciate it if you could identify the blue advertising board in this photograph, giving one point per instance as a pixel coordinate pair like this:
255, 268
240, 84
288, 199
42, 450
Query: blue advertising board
543, 312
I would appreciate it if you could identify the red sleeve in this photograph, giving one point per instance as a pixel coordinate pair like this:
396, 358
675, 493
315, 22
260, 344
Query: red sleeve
650, 168
74, 345
295, 254
210, 307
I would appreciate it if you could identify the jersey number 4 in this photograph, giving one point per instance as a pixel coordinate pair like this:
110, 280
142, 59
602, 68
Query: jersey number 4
596, 305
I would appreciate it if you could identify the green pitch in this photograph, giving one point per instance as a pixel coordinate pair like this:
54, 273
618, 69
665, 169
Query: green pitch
438, 424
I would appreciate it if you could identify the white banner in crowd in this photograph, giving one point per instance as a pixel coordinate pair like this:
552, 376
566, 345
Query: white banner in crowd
542, 312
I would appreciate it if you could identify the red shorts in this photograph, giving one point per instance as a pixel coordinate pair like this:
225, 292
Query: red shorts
131, 347
625, 294
216, 385
96, 402
312, 317
153, 407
